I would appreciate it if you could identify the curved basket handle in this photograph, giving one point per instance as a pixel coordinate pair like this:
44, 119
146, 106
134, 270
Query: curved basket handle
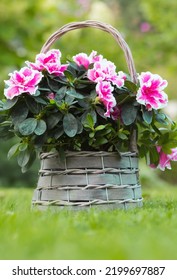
99, 25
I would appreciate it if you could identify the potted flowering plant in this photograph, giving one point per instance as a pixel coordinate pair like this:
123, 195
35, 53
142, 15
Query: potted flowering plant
86, 104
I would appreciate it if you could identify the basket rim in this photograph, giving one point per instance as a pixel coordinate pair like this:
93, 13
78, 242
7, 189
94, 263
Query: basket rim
45, 155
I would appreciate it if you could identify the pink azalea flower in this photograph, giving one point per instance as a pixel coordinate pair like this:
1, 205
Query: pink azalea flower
122, 75
105, 70
82, 59
50, 62
118, 79
173, 155
165, 159
96, 74
104, 91
25, 80
51, 95
151, 92
94, 57
116, 113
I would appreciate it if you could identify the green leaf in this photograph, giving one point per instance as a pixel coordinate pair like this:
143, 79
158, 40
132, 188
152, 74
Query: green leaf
40, 100
13, 150
5, 124
129, 113
23, 158
40, 128
53, 120
60, 94
91, 134
122, 136
72, 92
84, 103
80, 127
19, 113
28, 126
69, 100
30, 162
53, 84
154, 156
5, 133
161, 118
100, 127
101, 141
37, 93
156, 129
70, 125
41, 89
144, 152
10, 103
69, 75
40, 140
94, 115
59, 132
131, 86
33, 106
23, 147
147, 116
100, 112
74, 66
88, 121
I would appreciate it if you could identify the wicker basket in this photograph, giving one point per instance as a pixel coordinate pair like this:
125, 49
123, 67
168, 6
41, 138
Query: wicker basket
87, 179
90, 179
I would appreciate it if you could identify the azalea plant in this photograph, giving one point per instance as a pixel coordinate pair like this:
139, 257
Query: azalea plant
85, 104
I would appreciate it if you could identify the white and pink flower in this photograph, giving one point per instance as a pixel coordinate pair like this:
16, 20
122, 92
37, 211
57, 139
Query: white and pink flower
50, 62
96, 74
151, 92
104, 91
165, 159
82, 59
118, 79
105, 70
94, 57
25, 80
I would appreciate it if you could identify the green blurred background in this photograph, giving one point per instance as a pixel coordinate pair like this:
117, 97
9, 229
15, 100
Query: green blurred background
149, 28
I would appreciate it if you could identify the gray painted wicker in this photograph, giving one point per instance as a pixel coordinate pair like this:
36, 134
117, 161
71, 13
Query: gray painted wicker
88, 179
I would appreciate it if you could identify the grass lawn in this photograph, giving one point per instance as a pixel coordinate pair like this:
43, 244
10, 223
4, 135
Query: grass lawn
146, 233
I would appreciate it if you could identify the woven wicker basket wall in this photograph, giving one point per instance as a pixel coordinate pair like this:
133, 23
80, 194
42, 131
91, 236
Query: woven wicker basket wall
88, 179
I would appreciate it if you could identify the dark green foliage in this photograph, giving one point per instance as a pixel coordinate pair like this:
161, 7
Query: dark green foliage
147, 115
70, 125
28, 126
129, 113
